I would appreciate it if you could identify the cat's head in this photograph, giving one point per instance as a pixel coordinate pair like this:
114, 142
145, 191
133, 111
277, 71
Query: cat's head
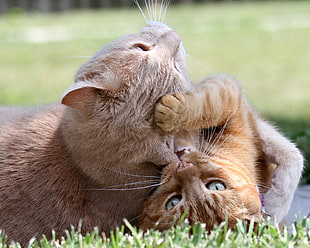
136, 68
208, 190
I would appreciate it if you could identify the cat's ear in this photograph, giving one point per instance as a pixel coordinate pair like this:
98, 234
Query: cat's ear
82, 97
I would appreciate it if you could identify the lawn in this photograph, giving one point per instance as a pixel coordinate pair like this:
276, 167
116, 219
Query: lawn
243, 236
265, 45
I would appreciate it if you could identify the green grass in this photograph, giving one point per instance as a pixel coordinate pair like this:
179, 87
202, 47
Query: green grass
244, 235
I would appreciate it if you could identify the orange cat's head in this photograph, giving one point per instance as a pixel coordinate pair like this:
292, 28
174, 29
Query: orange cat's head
215, 179
208, 190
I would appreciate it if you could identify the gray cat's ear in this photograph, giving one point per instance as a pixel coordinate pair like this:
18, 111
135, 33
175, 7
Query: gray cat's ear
81, 97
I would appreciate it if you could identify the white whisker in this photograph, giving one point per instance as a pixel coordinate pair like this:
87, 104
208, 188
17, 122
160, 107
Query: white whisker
136, 188
129, 174
217, 146
76, 57
260, 185
133, 183
140, 9
135, 218
218, 137
165, 7
156, 11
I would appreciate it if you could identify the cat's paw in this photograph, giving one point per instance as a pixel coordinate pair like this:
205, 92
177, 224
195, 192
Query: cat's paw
169, 112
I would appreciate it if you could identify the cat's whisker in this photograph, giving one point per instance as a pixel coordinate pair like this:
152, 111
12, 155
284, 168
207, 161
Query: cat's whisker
217, 139
163, 10
133, 219
224, 143
140, 9
76, 57
132, 175
210, 134
127, 189
195, 65
149, 11
216, 146
259, 185
155, 11
133, 183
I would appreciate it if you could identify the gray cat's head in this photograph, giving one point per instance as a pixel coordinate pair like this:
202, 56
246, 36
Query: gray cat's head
141, 67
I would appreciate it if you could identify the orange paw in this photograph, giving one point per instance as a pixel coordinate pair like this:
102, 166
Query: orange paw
169, 112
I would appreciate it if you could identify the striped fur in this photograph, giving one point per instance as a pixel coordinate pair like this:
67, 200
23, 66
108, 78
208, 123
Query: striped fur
219, 125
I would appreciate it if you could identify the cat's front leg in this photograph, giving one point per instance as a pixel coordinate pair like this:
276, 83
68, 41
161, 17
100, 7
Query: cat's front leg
289, 161
212, 102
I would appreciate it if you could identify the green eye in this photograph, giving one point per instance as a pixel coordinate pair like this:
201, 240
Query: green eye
216, 185
173, 201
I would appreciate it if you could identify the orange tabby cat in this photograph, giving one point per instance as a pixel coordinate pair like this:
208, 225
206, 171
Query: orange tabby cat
219, 174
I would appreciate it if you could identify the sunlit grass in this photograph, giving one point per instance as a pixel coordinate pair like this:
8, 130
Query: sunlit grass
244, 235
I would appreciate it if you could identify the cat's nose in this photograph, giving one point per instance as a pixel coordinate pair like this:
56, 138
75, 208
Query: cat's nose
182, 150
184, 165
186, 172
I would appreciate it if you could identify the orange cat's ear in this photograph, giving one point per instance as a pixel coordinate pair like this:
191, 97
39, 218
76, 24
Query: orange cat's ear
81, 97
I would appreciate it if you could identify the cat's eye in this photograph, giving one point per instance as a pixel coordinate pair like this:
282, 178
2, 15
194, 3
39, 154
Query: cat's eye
216, 185
173, 201
142, 47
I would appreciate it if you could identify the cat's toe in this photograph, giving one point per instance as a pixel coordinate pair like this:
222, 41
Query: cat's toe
174, 102
169, 112
165, 118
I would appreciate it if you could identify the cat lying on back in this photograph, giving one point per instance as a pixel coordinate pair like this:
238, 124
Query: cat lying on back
61, 164
225, 160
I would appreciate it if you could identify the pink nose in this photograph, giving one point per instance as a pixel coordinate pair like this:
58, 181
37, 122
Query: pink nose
182, 150
186, 173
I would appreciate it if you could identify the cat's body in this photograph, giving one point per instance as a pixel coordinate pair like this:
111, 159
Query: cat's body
65, 163
231, 151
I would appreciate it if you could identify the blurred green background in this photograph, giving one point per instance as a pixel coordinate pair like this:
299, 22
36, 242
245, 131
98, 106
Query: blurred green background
265, 45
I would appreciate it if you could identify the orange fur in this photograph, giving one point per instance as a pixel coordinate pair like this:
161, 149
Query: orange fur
226, 147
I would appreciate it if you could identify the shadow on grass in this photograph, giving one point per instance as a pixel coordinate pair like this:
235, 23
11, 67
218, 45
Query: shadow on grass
299, 132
